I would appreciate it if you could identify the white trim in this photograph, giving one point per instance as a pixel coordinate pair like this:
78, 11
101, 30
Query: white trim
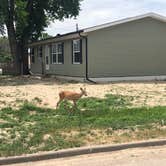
1, 71
113, 79
47, 55
79, 79
132, 78
76, 63
152, 15
57, 63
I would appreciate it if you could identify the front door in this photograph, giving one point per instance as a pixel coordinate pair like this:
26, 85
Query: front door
47, 64
36, 65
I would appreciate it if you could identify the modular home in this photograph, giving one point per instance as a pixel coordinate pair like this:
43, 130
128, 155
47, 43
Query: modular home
128, 49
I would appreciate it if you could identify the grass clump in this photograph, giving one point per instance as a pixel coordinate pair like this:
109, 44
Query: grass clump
31, 129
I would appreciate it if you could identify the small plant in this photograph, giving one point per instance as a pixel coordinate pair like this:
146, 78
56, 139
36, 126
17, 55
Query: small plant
37, 100
93, 120
5, 57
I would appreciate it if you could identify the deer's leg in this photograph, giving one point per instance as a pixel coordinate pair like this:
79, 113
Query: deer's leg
58, 102
65, 105
74, 105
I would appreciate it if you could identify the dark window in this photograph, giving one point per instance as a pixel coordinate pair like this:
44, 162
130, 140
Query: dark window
54, 58
77, 51
32, 54
40, 51
60, 58
77, 57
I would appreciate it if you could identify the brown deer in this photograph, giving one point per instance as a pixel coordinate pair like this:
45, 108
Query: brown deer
72, 96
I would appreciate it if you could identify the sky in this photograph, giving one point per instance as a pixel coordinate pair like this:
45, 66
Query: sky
96, 12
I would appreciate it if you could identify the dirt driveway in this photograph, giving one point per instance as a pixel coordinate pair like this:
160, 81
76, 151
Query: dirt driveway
15, 90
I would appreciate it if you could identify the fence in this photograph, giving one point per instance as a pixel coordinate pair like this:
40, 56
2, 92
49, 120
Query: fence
7, 68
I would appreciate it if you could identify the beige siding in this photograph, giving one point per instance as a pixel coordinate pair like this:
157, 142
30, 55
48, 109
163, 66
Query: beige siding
69, 69
136, 48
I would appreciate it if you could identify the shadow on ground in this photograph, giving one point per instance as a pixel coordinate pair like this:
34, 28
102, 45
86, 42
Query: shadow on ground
31, 80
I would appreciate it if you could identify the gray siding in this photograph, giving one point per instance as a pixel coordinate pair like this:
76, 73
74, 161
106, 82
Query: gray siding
135, 48
69, 69
36, 67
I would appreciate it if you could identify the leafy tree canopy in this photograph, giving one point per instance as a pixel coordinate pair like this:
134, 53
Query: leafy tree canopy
25, 20
30, 17
5, 55
44, 35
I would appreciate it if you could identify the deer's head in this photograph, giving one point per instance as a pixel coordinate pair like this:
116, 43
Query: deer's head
83, 91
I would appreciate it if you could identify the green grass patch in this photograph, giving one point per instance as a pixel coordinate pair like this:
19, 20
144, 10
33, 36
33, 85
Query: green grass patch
31, 129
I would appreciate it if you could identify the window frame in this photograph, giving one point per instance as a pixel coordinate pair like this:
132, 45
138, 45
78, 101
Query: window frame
56, 54
40, 51
73, 52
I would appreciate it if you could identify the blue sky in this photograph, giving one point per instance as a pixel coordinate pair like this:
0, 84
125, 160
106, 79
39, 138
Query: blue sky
95, 12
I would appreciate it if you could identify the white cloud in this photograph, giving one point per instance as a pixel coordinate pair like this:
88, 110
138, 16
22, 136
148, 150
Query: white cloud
98, 12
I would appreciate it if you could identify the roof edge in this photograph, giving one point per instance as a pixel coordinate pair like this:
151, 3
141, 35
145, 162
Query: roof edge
58, 36
106, 25
151, 14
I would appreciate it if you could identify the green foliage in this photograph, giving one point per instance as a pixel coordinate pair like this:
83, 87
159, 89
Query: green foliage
44, 35
2, 22
2, 29
21, 16
25, 21
31, 17
5, 55
24, 130
3, 15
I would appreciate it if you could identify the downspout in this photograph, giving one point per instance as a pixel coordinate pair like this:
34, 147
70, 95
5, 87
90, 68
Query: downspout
30, 71
86, 61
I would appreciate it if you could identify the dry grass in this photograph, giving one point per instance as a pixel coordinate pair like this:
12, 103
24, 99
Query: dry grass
31, 129
110, 136
44, 92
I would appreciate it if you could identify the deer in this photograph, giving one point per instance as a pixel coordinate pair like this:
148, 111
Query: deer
72, 96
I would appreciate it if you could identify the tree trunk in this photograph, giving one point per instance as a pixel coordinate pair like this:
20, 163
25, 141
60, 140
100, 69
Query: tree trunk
12, 37
25, 60
23, 52
14, 50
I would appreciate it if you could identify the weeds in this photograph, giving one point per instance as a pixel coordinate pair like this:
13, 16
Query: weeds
31, 129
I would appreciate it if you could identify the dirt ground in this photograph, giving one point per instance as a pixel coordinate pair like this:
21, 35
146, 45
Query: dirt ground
44, 91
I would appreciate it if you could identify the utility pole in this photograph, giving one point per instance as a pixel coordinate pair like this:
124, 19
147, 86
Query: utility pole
77, 27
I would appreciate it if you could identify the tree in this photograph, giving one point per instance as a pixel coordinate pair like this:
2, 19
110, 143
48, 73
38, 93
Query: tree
25, 21
5, 55
44, 35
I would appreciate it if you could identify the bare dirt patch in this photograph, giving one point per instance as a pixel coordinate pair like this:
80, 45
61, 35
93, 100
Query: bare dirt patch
109, 136
44, 91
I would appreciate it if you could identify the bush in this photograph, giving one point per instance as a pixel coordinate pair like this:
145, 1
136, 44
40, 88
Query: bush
5, 55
